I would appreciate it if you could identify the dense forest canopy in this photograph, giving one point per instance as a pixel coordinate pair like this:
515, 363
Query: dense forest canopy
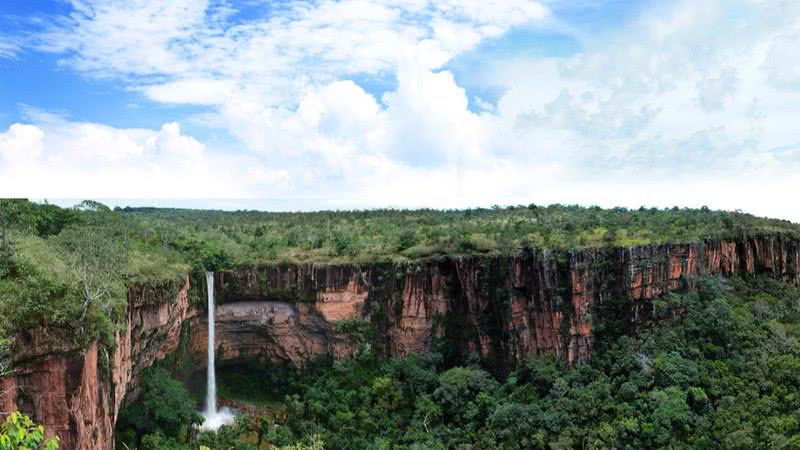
400, 235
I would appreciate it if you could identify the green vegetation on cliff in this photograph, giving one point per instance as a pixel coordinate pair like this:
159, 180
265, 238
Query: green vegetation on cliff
722, 376
251, 237
67, 268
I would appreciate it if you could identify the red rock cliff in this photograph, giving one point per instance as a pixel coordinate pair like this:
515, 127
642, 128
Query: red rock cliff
77, 394
502, 308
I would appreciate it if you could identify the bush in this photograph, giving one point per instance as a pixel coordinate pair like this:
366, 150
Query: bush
19, 432
164, 409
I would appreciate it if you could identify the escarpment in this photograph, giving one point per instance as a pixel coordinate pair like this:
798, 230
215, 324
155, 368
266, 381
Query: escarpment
77, 393
503, 308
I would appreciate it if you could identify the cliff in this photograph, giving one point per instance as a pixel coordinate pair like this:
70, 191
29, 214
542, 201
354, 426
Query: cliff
502, 308
77, 393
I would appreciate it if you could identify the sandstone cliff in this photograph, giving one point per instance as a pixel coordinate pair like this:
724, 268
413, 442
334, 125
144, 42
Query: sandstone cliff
502, 308
77, 393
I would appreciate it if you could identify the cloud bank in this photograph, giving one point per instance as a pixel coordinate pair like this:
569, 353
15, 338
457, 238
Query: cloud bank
691, 103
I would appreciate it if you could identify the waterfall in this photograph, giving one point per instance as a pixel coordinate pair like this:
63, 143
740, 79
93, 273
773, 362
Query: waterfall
211, 377
214, 418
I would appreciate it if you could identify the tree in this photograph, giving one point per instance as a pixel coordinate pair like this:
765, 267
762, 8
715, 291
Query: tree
407, 239
463, 393
316, 444
9, 211
165, 408
5, 360
19, 432
97, 260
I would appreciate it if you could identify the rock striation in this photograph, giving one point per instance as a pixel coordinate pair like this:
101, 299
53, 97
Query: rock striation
504, 309
77, 393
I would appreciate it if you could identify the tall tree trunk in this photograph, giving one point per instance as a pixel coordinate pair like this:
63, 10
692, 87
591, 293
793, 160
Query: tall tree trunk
86, 303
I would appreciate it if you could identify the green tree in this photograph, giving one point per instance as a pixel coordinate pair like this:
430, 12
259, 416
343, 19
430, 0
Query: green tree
464, 393
165, 408
18, 432
97, 260
314, 444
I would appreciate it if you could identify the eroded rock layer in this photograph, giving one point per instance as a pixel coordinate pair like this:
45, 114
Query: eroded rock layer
504, 309
77, 394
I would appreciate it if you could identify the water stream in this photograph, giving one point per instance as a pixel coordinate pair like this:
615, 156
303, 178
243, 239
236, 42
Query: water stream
214, 418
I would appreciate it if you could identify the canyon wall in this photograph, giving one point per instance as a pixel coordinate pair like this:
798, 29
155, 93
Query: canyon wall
504, 309
77, 393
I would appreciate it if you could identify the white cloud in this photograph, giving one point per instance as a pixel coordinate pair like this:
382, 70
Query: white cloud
695, 102
58, 158
9, 46
687, 89
191, 91
259, 72
169, 143
429, 122
185, 37
21, 144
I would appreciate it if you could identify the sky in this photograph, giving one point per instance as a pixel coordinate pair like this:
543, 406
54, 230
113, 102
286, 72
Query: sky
319, 104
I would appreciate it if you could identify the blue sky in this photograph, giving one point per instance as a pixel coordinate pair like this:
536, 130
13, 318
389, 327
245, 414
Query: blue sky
38, 80
371, 103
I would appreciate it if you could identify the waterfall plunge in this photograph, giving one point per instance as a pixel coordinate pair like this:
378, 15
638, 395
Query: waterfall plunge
214, 418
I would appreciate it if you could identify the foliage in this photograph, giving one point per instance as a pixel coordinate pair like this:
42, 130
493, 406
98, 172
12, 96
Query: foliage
44, 292
164, 416
18, 432
723, 375
315, 444
66, 268
218, 239
97, 261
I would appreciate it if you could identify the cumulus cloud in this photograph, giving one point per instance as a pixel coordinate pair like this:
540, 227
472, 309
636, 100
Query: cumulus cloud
692, 102
191, 91
21, 144
70, 159
266, 75
692, 89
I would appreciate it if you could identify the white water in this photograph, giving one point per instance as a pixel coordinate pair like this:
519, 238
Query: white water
214, 418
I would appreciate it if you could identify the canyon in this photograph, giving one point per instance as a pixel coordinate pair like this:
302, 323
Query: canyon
501, 308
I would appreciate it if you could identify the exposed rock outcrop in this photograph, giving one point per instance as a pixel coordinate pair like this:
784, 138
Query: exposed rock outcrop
77, 394
277, 332
502, 308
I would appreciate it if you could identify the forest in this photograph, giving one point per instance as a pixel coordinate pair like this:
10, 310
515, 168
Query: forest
726, 375
723, 374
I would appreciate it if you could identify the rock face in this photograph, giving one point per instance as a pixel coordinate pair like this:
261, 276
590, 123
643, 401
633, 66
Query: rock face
503, 308
269, 331
77, 394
